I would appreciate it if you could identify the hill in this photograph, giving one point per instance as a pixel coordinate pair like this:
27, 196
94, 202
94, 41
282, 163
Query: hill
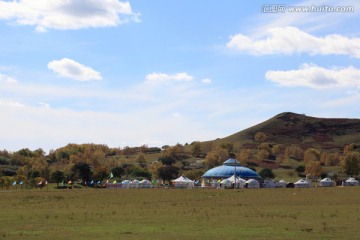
330, 134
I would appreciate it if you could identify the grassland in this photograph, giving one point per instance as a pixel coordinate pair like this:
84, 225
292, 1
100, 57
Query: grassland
316, 213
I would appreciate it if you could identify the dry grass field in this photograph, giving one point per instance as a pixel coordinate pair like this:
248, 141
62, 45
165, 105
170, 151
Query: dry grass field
316, 213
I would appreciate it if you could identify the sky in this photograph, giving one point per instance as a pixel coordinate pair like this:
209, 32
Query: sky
160, 72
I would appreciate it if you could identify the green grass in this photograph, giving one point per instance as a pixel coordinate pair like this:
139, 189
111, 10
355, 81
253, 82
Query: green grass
316, 213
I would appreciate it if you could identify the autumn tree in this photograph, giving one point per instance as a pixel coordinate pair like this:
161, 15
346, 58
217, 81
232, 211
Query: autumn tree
294, 152
313, 168
244, 156
154, 169
311, 154
351, 163
216, 157
351, 148
141, 160
264, 151
229, 147
196, 149
260, 137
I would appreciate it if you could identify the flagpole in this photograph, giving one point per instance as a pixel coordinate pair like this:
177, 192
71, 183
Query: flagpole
234, 174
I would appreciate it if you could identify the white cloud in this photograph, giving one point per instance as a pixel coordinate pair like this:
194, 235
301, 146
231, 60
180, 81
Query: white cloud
290, 40
70, 14
7, 79
156, 78
206, 80
45, 105
71, 69
316, 77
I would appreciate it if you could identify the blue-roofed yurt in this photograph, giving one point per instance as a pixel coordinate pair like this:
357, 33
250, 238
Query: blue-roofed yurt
228, 169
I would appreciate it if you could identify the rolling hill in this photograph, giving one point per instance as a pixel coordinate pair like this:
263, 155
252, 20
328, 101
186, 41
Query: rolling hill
329, 134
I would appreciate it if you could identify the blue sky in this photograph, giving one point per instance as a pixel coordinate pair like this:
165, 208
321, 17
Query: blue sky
166, 72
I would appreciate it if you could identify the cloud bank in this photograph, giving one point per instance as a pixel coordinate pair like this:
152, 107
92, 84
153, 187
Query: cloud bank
64, 15
291, 40
313, 76
71, 69
157, 78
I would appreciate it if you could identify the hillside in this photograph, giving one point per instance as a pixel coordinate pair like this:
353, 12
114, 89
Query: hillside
330, 134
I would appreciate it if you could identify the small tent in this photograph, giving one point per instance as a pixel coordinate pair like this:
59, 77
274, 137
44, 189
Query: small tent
281, 183
135, 184
145, 183
252, 183
269, 183
302, 183
183, 182
125, 184
229, 182
351, 182
326, 182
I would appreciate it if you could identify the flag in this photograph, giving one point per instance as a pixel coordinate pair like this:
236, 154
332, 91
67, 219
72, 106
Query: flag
14, 183
39, 183
21, 183
111, 175
46, 182
92, 182
69, 182
114, 181
99, 182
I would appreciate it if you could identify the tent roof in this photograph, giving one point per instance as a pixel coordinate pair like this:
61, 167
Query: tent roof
252, 181
145, 181
326, 180
238, 179
351, 180
225, 171
302, 181
182, 179
231, 162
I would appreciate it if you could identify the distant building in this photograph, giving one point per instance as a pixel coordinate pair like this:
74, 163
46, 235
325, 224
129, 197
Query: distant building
228, 169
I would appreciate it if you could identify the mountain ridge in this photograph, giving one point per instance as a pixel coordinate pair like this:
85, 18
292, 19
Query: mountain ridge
331, 134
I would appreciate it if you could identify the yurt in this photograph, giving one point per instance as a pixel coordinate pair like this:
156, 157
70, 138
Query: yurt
269, 183
183, 182
135, 184
229, 182
228, 169
145, 183
252, 183
326, 182
302, 183
351, 182
125, 184
281, 183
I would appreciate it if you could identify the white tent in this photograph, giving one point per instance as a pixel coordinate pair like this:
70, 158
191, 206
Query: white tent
326, 182
302, 183
183, 182
252, 183
281, 183
145, 183
351, 182
269, 184
125, 184
134, 184
229, 182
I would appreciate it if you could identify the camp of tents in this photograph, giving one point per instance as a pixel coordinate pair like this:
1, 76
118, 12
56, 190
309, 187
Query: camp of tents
230, 182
